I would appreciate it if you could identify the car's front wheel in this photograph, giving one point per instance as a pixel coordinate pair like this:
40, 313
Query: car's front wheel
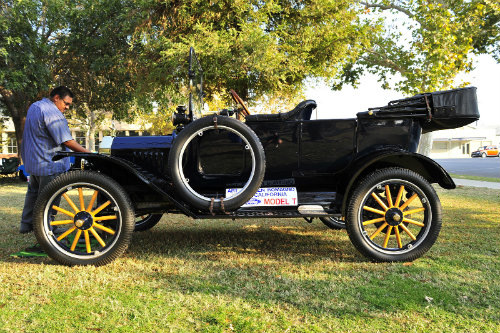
394, 215
83, 218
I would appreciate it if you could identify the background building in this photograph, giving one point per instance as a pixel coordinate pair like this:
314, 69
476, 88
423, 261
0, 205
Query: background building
9, 148
461, 142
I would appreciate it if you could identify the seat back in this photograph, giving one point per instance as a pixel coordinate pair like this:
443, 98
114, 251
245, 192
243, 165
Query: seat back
302, 111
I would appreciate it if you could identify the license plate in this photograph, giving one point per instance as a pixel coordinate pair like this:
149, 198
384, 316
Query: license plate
269, 196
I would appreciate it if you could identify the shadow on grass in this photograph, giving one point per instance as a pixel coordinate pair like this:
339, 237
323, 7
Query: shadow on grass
250, 264
289, 243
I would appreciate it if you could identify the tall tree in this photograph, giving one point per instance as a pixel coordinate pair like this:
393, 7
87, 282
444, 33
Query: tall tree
255, 47
29, 31
93, 60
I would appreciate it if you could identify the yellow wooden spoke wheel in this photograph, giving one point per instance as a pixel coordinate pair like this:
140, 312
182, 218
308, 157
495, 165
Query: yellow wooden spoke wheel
82, 218
394, 215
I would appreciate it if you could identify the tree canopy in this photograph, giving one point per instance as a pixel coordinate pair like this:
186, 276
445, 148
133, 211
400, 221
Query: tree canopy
254, 47
425, 45
121, 52
93, 61
28, 32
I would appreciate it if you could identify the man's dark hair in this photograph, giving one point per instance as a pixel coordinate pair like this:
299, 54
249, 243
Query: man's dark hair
62, 91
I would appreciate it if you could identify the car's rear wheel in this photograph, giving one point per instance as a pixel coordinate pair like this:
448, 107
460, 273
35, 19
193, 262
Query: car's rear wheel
147, 221
83, 218
394, 215
333, 223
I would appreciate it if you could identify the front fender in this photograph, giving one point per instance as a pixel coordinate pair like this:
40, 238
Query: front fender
105, 160
423, 165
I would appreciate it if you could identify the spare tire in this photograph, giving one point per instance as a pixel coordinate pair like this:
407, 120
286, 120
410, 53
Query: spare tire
252, 144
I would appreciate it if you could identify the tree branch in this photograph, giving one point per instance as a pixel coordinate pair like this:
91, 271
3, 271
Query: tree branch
388, 7
382, 60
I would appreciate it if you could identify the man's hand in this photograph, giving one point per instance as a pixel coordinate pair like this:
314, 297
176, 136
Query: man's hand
75, 146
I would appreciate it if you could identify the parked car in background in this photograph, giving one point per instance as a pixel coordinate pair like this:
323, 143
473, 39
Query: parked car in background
8, 166
486, 151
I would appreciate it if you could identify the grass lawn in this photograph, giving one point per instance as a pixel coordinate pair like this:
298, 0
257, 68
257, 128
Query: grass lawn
267, 275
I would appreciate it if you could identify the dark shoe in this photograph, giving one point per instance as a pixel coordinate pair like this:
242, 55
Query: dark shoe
37, 249
25, 228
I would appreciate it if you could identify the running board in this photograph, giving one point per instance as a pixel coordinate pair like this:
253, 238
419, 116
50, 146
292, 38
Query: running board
269, 214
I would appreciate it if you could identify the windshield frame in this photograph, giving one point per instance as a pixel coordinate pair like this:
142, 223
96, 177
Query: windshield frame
195, 74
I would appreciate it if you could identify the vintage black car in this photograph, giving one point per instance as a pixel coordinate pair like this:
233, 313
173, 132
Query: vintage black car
362, 173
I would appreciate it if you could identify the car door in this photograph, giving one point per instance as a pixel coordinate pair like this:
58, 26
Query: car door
492, 151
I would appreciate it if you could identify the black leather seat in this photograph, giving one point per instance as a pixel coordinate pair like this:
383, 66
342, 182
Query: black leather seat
302, 111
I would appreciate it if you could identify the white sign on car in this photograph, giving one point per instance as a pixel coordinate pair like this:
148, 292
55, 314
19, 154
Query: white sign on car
269, 196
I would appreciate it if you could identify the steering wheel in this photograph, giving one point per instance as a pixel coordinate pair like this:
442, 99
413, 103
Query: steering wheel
238, 100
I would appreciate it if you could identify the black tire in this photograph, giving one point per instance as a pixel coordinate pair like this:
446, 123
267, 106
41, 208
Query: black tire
483, 155
252, 143
91, 235
146, 222
333, 223
372, 212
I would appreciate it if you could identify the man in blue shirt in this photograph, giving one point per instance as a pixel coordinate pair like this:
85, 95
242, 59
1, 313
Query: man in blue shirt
46, 132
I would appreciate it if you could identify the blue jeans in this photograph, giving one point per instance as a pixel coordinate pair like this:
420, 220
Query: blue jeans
35, 187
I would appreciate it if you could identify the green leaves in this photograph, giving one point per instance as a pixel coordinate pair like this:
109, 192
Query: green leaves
257, 48
429, 43
119, 53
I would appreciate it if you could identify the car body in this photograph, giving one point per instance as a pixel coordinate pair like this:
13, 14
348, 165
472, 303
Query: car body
486, 151
9, 166
362, 173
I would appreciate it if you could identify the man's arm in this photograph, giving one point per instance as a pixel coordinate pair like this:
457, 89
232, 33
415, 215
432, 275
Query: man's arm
75, 146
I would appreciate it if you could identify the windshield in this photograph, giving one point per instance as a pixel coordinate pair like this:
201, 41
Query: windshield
195, 86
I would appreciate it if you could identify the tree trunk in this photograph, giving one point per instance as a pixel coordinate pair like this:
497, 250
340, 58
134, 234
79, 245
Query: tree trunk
18, 114
91, 126
91, 133
19, 128
425, 144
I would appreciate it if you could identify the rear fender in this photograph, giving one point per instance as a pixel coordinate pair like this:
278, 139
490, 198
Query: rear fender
423, 165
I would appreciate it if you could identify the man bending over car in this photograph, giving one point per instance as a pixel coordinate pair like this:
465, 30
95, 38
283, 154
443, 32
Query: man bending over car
46, 132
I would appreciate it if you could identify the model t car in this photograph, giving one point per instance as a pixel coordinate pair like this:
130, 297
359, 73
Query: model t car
361, 173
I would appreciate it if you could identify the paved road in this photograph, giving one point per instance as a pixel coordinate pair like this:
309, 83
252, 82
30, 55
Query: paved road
483, 167
476, 183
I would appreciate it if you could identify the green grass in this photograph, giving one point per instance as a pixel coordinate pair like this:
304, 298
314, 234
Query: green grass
485, 179
262, 275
